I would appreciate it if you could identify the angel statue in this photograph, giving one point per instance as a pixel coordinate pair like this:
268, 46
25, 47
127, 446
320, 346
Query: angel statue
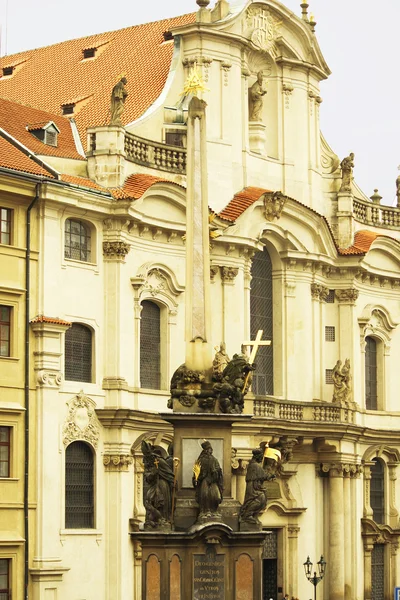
159, 485
208, 483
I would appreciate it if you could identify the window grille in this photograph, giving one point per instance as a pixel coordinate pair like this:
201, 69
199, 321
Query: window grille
77, 240
371, 383
5, 330
5, 579
5, 226
329, 333
175, 138
5, 448
328, 376
378, 572
79, 486
330, 299
261, 315
78, 353
150, 338
377, 495
68, 109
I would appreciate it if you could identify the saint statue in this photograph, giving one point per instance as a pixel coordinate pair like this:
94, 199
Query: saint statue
256, 94
159, 481
347, 166
118, 97
208, 483
341, 381
220, 361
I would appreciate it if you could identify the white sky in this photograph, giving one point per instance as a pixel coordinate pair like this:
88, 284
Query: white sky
359, 39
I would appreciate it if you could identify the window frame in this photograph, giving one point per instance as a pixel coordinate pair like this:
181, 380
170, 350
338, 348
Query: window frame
10, 221
67, 528
90, 233
8, 323
161, 362
8, 590
8, 445
382, 508
92, 353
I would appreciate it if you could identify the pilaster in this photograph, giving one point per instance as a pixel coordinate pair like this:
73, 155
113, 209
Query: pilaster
345, 219
293, 559
106, 157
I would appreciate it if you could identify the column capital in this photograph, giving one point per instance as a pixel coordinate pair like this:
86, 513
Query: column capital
319, 292
339, 469
347, 296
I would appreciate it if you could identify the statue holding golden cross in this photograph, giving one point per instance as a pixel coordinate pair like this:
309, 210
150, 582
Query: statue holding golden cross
255, 345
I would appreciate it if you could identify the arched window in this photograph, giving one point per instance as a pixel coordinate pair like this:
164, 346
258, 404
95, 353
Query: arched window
261, 318
377, 496
150, 354
78, 353
77, 243
371, 374
79, 486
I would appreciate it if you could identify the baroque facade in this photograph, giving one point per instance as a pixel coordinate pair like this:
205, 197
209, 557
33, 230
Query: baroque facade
296, 249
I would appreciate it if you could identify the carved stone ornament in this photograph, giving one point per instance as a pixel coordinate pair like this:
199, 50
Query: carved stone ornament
115, 250
319, 292
340, 469
213, 271
49, 378
81, 422
228, 274
117, 462
273, 205
348, 296
341, 377
156, 281
262, 28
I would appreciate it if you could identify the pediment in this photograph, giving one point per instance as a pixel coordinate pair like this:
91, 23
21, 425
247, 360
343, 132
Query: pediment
164, 204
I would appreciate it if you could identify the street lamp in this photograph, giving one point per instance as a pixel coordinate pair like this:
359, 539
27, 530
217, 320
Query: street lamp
315, 579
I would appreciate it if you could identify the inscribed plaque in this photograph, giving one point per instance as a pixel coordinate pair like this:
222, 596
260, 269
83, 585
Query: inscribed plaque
209, 576
191, 449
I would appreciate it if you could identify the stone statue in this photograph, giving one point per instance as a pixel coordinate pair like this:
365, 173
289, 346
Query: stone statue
220, 361
234, 384
159, 480
208, 483
255, 500
398, 190
341, 381
118, 97
256, 94
347, 166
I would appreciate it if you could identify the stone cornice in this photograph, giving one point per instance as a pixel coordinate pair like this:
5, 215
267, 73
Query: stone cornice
131, 419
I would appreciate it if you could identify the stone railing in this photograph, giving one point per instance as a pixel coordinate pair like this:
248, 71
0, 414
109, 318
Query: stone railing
154, 154
375, 214
272, 408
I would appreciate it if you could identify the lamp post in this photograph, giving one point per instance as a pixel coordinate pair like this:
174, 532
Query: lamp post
315, 579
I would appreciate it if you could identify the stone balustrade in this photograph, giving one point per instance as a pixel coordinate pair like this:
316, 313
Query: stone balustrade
321, 412
154, 154
375, 214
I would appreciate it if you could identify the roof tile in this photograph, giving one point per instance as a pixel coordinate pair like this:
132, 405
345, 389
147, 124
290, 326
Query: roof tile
12, 158
362, 243
241, 201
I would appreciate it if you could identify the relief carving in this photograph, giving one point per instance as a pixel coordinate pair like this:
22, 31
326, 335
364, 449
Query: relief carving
228, 274
115, 250
81, 422
117, 462
49, 378
262, 28
319, 292
348, 296
273, 205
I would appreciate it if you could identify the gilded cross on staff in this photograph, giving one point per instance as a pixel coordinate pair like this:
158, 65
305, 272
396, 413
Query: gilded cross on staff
255, 346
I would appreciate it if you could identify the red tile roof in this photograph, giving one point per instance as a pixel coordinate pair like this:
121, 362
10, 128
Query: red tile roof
12, 158
55, 75
241, 201
362, 243
136, 185
16, 118
51, 320
84, 182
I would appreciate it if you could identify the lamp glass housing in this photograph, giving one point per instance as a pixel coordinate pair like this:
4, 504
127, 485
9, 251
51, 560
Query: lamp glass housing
321, 566
308, 567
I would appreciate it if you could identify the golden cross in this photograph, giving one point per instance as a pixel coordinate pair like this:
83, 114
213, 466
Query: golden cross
257, 342
156, 462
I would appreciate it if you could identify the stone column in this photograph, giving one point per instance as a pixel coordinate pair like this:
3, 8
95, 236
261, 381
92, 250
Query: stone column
348, 558
336, 533
230, 306
293, 563
393, 512
368, 570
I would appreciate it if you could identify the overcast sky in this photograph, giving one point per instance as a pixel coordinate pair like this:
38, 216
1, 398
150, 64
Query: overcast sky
359, 39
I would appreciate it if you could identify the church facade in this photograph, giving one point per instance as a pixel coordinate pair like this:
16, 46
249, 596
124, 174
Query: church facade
296, 250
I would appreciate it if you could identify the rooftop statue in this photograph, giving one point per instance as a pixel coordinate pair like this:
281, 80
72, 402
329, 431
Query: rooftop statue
208, 483
256, 94
347, 166
118, 97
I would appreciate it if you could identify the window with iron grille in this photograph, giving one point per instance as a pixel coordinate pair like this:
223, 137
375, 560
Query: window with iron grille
328, 376
371, 371
261, 318
329, 333
330, 299
378, 572
5, 579
150, 351
5, 330
77, 240
5, 226
78, 353
377, 495
175, 138
5, 452
79, 486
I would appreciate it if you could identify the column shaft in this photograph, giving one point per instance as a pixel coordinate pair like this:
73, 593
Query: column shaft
336, 537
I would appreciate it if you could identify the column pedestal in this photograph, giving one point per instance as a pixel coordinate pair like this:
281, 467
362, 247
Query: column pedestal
257, 137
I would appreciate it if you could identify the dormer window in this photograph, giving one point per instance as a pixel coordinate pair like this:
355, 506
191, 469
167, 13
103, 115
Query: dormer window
45, 132
8, 71
68, 109
89, 53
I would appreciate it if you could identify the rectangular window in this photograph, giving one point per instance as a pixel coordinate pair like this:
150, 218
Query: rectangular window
329, 333
330, 299
5, 226
5, 330
5, 452
5, 591
328, 376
